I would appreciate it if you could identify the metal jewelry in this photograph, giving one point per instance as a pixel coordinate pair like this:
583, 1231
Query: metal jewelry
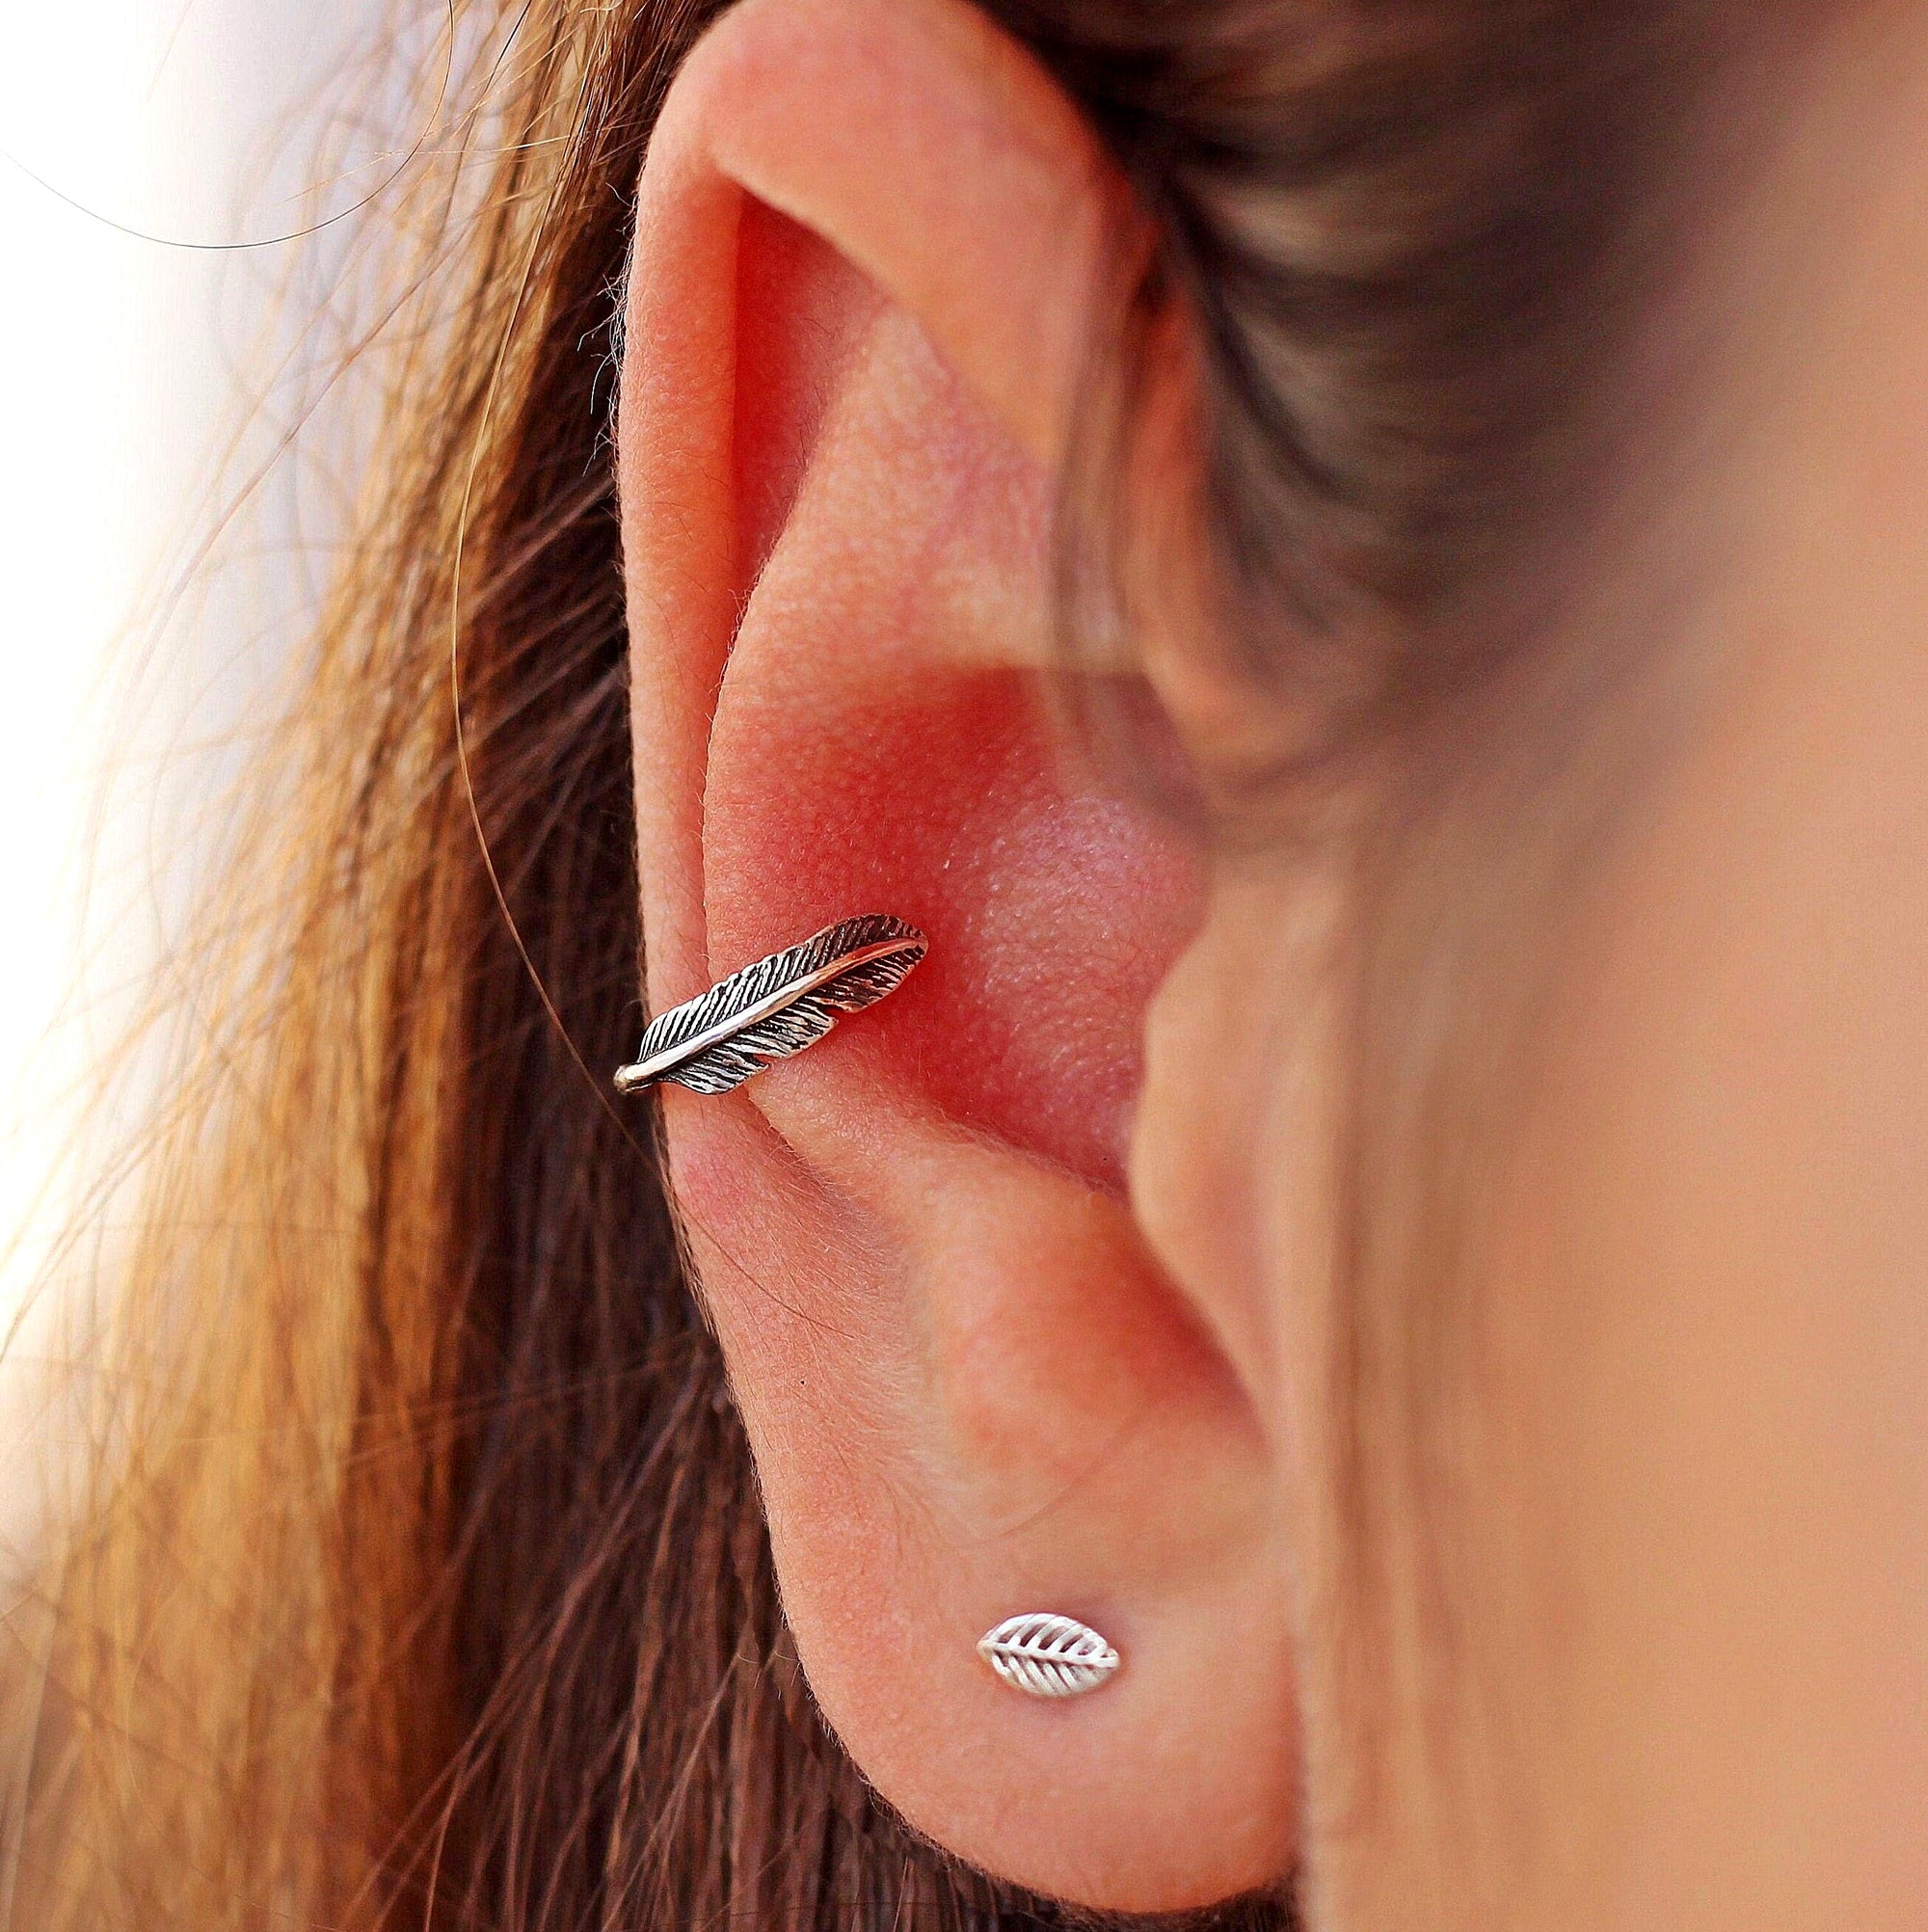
1044, 1655
775, 1008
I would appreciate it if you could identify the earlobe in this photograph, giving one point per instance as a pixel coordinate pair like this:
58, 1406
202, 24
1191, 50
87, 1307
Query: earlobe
972, 1392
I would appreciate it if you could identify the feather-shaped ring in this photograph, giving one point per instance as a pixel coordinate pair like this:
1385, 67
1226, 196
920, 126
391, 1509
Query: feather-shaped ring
1045, 1656
776, 1008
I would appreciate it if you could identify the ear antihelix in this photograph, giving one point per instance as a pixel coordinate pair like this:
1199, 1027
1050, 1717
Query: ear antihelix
776, 1008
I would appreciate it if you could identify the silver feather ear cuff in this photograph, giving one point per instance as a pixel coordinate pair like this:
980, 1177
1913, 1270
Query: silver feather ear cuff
775, 1008
1044, 1655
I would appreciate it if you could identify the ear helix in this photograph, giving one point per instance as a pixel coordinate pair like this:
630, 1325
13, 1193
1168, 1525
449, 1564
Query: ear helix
780, 1006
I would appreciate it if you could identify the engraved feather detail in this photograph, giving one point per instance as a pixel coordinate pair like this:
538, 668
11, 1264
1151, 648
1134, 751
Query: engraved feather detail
776, 1008
1044, 1655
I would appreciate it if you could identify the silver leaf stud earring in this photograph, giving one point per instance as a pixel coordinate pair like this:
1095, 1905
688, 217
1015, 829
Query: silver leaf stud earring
776, 1008
1045, 1656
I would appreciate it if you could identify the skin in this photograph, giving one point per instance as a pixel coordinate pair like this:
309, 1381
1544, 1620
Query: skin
1024, 1279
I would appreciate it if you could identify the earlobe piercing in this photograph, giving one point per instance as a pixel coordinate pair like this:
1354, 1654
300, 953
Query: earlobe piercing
775, 1008
1044, 1655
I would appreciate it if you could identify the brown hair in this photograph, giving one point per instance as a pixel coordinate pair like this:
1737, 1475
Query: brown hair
423, 1579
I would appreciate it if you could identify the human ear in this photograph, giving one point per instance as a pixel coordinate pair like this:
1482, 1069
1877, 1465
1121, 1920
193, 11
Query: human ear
870, 239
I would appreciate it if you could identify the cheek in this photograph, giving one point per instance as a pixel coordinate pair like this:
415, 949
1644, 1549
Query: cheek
1053, 912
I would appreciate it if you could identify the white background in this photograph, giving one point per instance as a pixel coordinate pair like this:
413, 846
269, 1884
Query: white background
148, 367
